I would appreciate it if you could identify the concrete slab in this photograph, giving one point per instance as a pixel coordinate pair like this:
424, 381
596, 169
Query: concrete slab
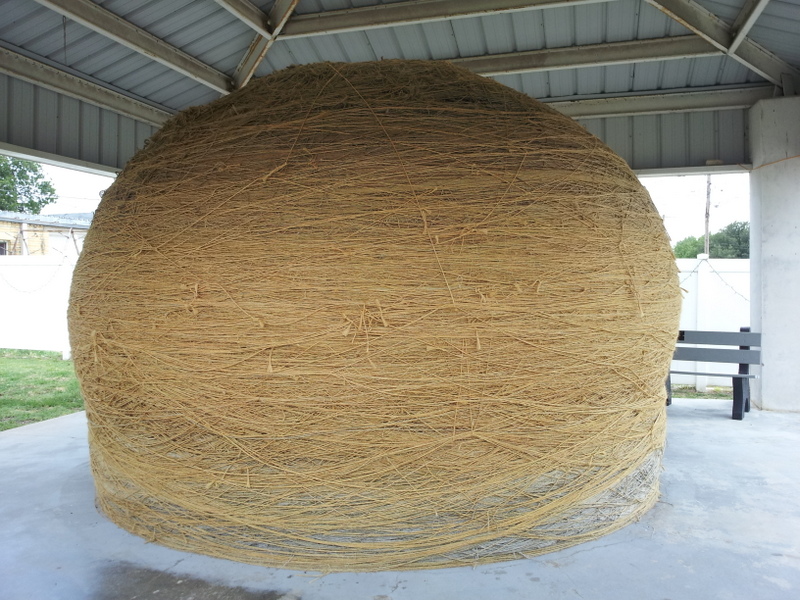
727, 527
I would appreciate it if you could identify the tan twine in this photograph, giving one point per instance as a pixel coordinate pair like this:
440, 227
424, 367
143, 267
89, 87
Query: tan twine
373, 316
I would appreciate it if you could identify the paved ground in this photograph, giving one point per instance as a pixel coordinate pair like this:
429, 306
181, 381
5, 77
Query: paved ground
727, 527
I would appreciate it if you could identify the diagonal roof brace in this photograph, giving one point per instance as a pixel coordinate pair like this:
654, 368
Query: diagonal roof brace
715, 31
250, 14
91, 15
267, 27
745, 21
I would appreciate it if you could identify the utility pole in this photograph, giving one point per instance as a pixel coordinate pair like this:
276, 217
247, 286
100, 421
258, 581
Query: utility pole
708, 211
23, 241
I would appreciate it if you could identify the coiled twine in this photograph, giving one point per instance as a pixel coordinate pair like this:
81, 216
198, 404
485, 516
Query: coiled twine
371, 316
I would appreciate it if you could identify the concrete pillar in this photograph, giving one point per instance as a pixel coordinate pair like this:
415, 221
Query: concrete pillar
775, 249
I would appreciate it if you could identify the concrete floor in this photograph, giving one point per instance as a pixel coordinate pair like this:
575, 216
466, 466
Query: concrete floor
727, 527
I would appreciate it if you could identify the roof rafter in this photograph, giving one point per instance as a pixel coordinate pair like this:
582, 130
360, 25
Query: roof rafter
93, 16
413, 11
714, 30
644, 104
592, 55
44, 75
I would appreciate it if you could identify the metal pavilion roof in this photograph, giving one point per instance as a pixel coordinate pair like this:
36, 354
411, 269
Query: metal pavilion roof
665, 82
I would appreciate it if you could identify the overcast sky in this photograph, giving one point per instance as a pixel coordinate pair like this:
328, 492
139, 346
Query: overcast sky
77, 191
680, 200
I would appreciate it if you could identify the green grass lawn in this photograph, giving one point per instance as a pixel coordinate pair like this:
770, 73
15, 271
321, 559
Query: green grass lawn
688, 391
35, 386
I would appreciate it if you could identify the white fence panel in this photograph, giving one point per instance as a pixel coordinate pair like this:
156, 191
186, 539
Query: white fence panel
716, 298
34, 294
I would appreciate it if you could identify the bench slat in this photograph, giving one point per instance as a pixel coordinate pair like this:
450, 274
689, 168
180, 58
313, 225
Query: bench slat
720, 338
721, 355
733, 375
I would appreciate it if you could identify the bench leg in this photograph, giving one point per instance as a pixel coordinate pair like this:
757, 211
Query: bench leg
746, 391
669, 390
738, 398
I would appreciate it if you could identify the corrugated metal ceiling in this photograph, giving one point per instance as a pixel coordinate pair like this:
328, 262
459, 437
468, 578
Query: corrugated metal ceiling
778, 29
208, 33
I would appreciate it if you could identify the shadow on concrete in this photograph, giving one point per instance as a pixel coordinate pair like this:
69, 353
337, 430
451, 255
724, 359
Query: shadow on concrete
125, 581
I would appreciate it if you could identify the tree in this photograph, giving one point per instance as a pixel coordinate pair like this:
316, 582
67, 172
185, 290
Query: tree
732, 241
689, 247
23, 186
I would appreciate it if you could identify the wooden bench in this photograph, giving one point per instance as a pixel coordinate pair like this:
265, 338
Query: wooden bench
710, 352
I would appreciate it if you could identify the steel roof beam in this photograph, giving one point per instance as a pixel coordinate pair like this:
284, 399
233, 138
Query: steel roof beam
650, 104
46, 76
714, 30
90, 15
275, 22
745, 21
593, 55
413, 11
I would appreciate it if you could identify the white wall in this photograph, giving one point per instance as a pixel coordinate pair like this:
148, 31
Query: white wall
34, 293
716, 297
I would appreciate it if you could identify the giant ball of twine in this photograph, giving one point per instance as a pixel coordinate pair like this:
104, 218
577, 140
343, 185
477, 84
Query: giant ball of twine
386, 315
